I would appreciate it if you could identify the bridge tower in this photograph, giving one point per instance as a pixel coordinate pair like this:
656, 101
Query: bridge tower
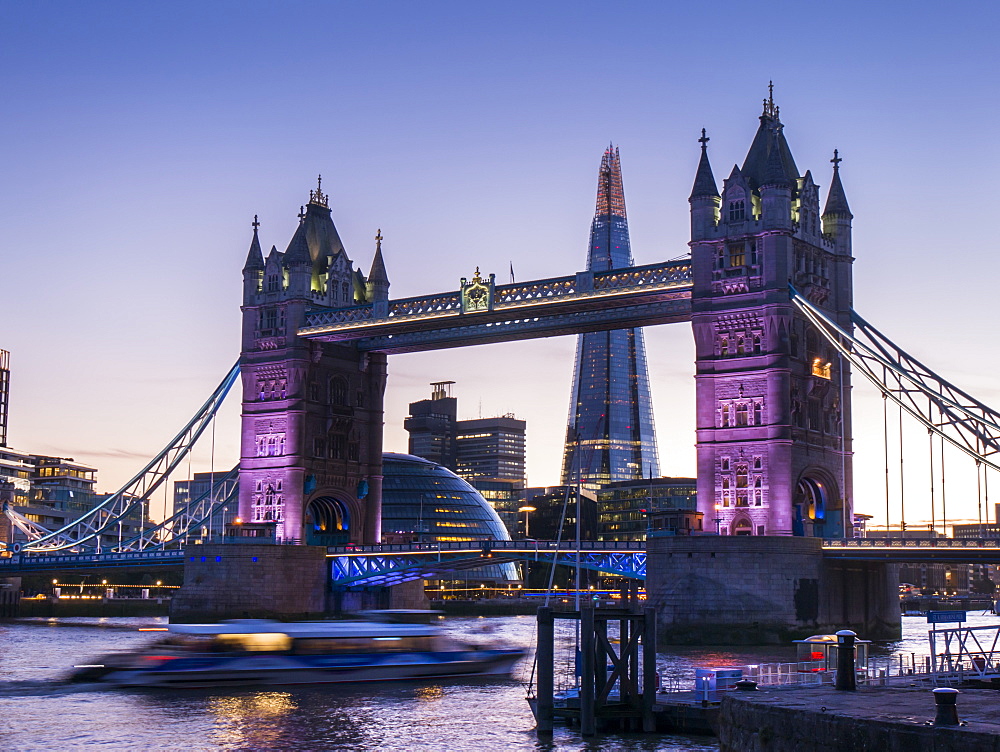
311, 448
773, 400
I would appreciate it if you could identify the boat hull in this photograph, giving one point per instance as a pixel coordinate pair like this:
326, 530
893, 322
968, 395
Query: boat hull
262, 670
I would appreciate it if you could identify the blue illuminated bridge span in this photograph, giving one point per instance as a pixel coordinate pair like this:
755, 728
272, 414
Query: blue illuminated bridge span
391, 564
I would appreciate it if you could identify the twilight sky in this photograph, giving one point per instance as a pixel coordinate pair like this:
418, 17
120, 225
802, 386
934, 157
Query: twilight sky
138, 140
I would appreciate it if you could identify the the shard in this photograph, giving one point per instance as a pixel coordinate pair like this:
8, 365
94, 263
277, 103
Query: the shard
610, 435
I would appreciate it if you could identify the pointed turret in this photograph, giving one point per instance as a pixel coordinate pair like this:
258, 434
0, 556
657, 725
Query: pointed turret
836, 199
377, 284
837, 214
704, 180
255, 259
704, 199
253, 269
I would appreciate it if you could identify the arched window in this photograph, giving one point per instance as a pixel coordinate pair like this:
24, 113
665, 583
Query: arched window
756, 343
725, 416
338, 391
741, 414
741, 346
724, 347
737, 211
758, 414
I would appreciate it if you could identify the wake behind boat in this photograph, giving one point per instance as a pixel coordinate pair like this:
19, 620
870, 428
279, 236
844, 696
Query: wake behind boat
249, 652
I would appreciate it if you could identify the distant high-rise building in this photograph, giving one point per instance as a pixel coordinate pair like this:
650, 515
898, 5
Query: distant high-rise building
4, 394
486, 452
610, 436
431, 425
490, 448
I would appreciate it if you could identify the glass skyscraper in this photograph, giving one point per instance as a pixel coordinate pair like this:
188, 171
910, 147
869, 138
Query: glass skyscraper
610, 435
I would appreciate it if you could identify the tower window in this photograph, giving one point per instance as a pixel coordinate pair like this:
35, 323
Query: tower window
758, 414
725, 424
737, 253
742, 414
737, 211
756, 343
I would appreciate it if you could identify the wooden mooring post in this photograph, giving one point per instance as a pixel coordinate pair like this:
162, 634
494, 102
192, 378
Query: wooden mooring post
603, 669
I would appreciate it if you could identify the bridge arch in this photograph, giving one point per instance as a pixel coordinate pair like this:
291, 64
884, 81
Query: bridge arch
327, 521
817, 505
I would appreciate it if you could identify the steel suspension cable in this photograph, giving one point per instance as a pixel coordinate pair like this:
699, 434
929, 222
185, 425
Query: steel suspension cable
885, 447
902, 497
944, 498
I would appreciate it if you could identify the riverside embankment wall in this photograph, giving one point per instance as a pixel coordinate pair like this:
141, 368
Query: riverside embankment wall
882, 719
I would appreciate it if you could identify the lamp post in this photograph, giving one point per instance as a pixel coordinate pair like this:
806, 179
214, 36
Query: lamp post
718, 520
527, 511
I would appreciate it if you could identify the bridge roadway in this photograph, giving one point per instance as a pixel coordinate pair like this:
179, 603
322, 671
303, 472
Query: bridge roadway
387, 564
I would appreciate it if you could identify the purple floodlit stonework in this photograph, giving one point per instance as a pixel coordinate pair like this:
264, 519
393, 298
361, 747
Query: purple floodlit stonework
311, 448
773, 398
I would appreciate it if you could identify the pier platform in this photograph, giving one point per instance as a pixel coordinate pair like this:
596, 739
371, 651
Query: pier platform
886, 719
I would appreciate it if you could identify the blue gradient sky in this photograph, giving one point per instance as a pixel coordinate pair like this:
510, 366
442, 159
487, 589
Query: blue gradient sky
139, 139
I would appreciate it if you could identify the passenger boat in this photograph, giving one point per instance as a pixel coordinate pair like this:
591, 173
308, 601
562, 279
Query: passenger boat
248, 652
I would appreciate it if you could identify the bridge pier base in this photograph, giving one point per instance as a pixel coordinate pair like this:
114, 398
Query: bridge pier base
409, 595
10, 597
752, 590
251, 580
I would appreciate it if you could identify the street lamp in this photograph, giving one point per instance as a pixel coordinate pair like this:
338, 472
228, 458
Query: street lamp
718, 520
527, 511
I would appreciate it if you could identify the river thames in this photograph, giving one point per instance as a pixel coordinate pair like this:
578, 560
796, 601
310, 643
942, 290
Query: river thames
38, 712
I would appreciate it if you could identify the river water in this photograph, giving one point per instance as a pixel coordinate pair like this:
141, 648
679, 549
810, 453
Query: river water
37, 712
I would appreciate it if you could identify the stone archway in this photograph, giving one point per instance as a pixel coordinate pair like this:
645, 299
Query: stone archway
327, 522
817, 506
742, 526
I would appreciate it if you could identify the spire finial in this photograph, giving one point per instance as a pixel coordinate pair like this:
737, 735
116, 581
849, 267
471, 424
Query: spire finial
255, 224
769, 109
317, 196
378, 240
703, 140
836, 160
302, 212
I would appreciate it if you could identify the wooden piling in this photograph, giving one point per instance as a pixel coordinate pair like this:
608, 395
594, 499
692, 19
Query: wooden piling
588, 725
649, 670
545, 656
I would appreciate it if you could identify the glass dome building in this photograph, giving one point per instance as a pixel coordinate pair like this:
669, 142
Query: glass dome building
427, 503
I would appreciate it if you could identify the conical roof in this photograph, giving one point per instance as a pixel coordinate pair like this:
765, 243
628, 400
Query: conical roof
255, 258
836, 199
298, 249
378, 274
770, 137
775, 172
704, 180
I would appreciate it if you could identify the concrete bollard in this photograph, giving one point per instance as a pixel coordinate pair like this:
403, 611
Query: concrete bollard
847, 678
946, 702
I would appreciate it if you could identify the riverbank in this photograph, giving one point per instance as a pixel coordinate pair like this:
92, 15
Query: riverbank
821, 719
101, 607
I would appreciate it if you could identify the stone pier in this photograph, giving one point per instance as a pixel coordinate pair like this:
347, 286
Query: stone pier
751, 590
251, 580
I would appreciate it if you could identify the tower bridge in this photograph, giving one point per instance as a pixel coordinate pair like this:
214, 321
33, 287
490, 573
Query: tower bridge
768, 292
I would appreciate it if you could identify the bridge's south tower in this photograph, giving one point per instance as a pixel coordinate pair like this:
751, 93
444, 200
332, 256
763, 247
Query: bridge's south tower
773, 399
311, 454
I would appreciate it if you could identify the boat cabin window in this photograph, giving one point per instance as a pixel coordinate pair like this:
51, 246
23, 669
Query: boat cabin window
327, 645
254, 642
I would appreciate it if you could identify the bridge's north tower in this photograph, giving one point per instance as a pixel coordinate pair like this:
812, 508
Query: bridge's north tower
773, 423
311, 450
